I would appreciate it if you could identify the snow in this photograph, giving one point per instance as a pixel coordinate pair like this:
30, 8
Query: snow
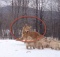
13, 48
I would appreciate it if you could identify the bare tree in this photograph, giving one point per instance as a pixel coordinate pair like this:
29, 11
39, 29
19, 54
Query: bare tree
36, 15
59, 20
41, 16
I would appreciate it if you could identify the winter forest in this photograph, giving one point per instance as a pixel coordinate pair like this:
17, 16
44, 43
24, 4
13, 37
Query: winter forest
29, 28
46, 10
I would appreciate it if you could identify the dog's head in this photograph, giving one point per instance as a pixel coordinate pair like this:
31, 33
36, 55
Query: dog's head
26, 28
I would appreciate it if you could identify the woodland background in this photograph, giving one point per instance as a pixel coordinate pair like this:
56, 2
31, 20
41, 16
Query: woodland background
47, 10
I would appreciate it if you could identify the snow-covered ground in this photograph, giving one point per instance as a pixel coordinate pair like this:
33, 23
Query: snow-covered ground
13, 48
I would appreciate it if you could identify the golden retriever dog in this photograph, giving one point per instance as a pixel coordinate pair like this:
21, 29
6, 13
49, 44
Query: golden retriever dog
24, 35
26, 31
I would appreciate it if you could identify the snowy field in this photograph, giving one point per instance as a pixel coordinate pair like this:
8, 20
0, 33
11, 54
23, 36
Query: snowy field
13, 48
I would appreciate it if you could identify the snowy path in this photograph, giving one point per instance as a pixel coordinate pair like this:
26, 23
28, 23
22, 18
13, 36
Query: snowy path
12, 48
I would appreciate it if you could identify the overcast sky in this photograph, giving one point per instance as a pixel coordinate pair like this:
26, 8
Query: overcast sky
4, 3
46, 4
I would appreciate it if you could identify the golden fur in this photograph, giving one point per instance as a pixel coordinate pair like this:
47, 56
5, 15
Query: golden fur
27, 32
